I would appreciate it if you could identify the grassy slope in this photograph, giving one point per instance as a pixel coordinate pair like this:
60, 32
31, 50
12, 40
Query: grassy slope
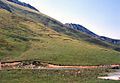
12, 43
55, 25
20, 34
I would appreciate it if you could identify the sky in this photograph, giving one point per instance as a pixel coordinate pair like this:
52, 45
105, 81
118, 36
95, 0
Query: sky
100, 16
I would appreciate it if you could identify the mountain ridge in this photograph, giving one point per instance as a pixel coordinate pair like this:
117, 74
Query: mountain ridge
85, 30
23, 4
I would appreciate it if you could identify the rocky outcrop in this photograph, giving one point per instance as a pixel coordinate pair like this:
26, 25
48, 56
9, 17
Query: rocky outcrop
81, 28
4, 6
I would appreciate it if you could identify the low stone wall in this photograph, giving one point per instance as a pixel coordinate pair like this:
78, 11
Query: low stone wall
21, 65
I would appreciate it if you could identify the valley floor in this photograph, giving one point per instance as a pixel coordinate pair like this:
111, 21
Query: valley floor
53, 76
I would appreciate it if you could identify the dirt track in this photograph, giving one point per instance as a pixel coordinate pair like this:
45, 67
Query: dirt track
46, 65
55, 66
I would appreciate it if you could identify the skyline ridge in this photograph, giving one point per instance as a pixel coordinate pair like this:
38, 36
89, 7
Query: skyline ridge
101, 17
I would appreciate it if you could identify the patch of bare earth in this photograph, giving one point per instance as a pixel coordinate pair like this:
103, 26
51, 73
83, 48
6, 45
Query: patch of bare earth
54, 35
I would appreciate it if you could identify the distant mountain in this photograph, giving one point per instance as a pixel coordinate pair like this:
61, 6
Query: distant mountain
85, 30
23, 4
114, 41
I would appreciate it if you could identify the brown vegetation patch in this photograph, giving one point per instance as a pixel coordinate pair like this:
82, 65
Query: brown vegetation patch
106, 50
54, 35
1, 40
67, 40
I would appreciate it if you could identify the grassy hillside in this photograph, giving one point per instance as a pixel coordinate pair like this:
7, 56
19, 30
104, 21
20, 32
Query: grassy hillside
12, 41
25, 39
54, 24
14, 35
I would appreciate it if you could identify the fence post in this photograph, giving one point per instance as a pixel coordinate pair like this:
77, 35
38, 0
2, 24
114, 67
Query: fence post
0, 66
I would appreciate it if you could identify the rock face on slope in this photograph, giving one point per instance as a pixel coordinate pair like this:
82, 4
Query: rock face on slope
23, 4
85, 30
81, 28
4, 6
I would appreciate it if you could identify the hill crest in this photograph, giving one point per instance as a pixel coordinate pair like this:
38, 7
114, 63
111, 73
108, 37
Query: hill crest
23, 4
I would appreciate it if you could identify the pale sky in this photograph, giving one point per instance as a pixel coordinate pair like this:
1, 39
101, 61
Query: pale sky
100, 16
